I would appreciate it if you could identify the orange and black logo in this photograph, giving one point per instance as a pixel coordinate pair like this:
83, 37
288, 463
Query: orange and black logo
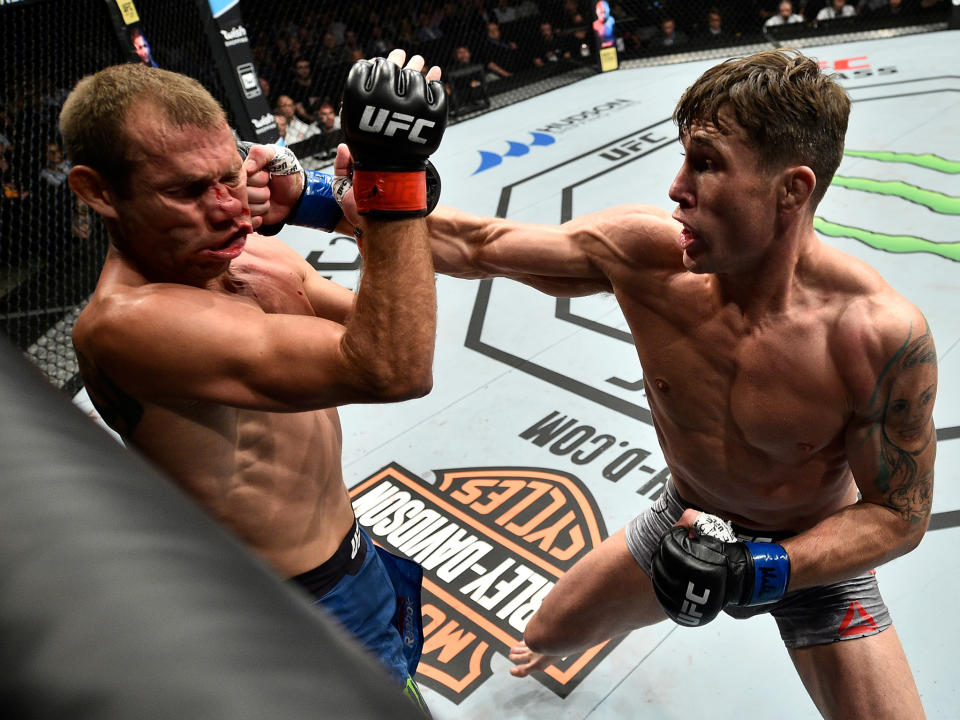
492, 543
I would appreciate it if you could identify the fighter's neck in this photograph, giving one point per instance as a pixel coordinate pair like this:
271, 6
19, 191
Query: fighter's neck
775, 282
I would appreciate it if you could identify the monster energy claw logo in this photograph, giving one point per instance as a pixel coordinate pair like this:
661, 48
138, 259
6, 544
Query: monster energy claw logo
931, 199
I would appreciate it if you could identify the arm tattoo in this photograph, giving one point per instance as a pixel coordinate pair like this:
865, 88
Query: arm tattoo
902, 413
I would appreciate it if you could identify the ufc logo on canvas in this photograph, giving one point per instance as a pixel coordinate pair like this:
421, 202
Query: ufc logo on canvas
379, 120
688, 611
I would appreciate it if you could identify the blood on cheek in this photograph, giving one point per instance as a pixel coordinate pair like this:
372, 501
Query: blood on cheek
225, 202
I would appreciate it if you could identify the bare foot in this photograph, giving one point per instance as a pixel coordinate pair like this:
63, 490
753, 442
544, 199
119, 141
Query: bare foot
527, 660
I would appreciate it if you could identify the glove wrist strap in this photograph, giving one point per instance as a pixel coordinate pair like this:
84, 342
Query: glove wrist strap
317, 207
771, 568
388, 193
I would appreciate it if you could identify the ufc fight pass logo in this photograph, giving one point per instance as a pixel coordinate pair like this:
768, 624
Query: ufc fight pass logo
384, 122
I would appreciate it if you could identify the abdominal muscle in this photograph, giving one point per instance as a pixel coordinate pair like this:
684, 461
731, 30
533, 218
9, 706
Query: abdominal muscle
272, 478
751, 487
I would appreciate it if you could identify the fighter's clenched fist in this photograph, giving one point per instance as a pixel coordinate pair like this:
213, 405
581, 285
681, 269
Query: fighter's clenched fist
392, 118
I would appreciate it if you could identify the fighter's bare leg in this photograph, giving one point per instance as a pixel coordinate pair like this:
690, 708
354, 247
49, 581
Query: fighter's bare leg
862, 679
603, 595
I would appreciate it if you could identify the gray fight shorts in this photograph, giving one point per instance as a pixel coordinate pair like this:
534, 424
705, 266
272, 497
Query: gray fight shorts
813, 616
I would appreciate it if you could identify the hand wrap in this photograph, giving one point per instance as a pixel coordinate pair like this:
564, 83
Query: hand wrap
319, 203
696, 577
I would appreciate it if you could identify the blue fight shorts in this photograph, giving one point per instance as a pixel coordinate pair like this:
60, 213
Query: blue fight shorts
376, 596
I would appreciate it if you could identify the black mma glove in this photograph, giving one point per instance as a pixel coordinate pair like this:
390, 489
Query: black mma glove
696, 577
392, 120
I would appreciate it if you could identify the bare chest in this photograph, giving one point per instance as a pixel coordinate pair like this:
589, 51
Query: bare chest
774, 392
275, 288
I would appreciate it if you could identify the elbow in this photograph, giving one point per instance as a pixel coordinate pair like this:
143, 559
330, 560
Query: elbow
918, 530
390, 387
415, 387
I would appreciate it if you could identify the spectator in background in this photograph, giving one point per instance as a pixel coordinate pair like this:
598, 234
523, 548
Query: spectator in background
331, 52
669, 36
465, 82
428, 30
571, 16
303, 89
296, 129
505, 12
714, 31
352, 44
836, 9
406, 35
784, 16
501, 58
379, 45
281, 122
894, 9
329, 120
56, 168
11, 188
550, 47
265, 88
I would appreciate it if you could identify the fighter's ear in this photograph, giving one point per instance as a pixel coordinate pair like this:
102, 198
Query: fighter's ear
797, 185
93, 189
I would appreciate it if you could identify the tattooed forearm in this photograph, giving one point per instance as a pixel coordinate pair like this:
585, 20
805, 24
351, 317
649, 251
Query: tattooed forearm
904, 398
913, 499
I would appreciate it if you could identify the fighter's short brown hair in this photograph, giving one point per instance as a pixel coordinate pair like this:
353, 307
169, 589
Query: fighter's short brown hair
94, 116
790, 111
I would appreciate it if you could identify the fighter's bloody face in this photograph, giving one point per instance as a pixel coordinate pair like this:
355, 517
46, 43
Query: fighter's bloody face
185, 215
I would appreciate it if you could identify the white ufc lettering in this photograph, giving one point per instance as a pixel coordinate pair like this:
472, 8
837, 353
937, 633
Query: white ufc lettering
689, 614
375, 120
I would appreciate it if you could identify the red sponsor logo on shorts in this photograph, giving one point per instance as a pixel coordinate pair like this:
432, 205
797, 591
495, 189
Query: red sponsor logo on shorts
857, 621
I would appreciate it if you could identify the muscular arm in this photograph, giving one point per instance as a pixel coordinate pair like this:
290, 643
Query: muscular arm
575, 258
891, 446
174, 343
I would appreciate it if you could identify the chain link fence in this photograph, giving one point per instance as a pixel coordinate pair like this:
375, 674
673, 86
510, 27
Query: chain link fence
493, 53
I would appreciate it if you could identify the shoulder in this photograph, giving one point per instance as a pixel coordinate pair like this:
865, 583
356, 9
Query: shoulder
266, 248
879, 334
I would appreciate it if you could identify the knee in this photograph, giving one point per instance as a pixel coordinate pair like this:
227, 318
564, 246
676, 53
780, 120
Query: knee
541, 637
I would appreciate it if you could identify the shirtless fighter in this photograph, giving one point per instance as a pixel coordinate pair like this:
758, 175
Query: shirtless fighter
221, 355
791, 387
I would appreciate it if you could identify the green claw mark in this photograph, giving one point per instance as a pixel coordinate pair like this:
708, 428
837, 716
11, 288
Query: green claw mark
925, 160
889, 243
936, 201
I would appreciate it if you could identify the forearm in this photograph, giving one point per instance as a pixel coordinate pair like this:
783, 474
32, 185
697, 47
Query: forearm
850, 542
456, 241
390, 335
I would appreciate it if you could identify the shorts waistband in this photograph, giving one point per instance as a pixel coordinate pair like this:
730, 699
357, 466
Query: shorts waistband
741, 531
346, 560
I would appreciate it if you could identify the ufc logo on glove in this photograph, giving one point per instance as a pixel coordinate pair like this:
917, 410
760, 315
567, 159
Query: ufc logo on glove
688, 613
400, 121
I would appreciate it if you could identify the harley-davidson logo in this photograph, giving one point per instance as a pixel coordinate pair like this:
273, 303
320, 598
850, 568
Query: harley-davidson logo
492, 543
